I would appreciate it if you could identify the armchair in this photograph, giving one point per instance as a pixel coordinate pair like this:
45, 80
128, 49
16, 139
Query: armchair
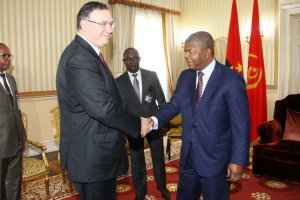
175, 132
278, 152
55, 121
34, 168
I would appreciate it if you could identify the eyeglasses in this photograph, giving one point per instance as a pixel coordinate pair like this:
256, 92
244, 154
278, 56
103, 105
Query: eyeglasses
131, 59
104, 23
6, 56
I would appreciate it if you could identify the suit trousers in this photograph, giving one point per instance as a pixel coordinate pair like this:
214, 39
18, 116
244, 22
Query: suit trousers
191, 185
98, 190
11, 176
138, 164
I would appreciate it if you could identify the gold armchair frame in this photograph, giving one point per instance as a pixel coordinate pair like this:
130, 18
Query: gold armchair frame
33, 168
55, 121
175, 132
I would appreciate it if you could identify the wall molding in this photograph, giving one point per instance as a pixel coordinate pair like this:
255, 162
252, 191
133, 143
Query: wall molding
38, 94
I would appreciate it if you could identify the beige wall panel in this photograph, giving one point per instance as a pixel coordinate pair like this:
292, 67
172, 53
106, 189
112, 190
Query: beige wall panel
37, 31
38, 114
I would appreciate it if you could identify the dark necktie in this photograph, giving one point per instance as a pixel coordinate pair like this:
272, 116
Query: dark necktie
136, 85
6, 86
105, 65
199, 90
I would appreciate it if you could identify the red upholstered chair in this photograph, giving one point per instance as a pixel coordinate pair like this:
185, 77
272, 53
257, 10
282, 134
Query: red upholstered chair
278, 152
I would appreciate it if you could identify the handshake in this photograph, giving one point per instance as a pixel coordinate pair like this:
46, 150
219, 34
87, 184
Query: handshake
146, 126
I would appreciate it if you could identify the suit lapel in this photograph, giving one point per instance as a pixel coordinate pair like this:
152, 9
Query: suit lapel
144, 84
12, 88
212, 84
86, 46
2, 89
127, 81
111, 85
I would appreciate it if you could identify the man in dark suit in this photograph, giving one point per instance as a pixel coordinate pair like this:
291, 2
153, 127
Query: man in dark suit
12, 132
142, 102
92, 111
216, 125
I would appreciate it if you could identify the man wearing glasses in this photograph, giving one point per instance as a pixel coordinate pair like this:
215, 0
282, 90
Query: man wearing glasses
93, 118
12, 132
144, 96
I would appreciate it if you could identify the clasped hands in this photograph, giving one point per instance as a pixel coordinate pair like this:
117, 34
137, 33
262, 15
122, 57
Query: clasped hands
146, 126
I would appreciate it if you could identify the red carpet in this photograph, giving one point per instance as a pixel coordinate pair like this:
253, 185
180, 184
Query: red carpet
248, 188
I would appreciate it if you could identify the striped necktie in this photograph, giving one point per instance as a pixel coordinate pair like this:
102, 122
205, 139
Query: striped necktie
199, 90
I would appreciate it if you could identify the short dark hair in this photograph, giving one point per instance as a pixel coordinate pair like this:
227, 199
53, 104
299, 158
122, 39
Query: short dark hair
130, 49
204, 38
86, 9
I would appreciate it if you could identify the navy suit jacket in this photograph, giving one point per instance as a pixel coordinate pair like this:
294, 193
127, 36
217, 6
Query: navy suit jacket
220, 130
93, 117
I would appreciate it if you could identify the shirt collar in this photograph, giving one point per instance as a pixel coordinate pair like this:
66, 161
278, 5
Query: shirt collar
93, 46
208, 70
138, 73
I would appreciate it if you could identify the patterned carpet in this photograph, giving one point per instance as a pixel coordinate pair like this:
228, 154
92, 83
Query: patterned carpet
248, 188
59, 190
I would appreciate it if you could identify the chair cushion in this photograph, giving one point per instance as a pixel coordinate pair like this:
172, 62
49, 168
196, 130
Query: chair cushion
292, 126
175, 132
33, 168
284, 151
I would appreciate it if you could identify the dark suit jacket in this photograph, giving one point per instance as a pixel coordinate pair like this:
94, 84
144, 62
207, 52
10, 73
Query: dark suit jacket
150, 84
93, 117
11, 126
219, 131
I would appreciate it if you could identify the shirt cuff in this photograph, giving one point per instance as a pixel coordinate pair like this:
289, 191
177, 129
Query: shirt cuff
155, 124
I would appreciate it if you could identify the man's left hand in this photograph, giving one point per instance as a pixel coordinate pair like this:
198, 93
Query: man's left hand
234, 172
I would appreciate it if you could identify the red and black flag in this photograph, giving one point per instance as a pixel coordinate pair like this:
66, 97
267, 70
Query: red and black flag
234, 53
256, 81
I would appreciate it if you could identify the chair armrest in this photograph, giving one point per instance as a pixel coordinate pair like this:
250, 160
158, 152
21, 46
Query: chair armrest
270, 132
43, 149
38, 145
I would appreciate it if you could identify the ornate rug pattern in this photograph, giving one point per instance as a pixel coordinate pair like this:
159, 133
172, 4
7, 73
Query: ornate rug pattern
59, 190
248, 187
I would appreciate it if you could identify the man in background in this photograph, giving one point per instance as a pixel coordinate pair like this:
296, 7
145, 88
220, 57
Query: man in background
93, 118
144, 96
12, 132
213, 103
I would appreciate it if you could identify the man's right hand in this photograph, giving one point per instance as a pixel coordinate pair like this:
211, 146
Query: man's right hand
146, 126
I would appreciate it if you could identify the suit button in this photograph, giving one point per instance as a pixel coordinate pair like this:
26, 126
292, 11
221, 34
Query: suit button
194, 125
